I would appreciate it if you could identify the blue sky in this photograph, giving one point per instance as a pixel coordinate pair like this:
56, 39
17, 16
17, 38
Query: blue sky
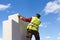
49, 10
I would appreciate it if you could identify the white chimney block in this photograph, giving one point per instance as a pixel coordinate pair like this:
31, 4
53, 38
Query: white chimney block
14, 17
13, 30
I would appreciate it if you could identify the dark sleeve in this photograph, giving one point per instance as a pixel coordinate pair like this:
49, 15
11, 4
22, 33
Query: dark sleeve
27, 19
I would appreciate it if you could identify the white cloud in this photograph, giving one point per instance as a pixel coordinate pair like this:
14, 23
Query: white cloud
48, 37
44, 25
58, 18
4, 7
41, 38
58, 38
0, 38
51, 37
52, 7
59, 34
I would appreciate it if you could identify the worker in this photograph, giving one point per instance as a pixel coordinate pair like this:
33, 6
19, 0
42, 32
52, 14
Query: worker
33, 26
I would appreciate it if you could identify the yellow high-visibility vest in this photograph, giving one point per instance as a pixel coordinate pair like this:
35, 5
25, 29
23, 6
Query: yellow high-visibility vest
34, 24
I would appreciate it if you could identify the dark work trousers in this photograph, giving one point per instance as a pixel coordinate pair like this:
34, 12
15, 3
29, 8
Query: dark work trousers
32, 32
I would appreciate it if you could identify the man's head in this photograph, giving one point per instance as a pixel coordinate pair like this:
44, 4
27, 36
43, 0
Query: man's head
38, 15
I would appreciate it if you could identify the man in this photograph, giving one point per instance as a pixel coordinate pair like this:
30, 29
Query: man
32, 28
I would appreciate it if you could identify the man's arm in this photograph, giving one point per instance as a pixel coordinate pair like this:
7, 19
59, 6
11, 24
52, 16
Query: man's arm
25, 19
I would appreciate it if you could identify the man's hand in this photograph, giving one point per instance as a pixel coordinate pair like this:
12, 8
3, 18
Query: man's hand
20, 17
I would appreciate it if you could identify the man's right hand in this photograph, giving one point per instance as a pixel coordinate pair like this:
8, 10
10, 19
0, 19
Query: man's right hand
20, 17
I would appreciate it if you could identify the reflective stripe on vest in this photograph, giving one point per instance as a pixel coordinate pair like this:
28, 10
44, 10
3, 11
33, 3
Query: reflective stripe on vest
34, 24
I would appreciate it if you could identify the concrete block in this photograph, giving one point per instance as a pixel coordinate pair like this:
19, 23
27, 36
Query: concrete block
14, 29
